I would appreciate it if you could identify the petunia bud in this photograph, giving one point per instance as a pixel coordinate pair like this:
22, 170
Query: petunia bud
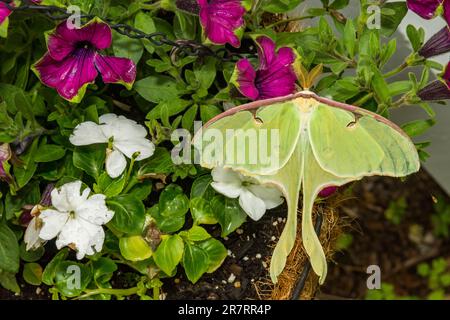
437, 90
327, 191
438, 44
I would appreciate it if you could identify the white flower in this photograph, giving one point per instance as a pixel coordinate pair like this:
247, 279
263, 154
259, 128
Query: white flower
254, 198
31, 237
126, 135
76, 222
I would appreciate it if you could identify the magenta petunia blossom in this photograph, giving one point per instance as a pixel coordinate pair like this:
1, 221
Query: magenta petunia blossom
437, 44
437, 90
275, 76
5, 11
73, 60
222, 20
427, 9
327, 191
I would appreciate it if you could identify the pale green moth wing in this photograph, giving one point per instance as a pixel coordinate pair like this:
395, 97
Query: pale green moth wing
322, 143
356, 144
252, 143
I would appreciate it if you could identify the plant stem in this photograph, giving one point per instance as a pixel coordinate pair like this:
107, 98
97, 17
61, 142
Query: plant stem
397, 70
289, 20
115, 292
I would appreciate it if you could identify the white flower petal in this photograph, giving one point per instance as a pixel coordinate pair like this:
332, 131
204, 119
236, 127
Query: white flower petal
81, 234
231, 190
115, 163
31, 237
94, 210
52, 223
121, 128
68, 197
220, 174
271, 196
87, 133
142, 145
252, 205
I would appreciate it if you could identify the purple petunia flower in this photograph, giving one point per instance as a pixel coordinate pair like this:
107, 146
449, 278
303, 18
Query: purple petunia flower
5, 11
438, 44
428, 9
437, 90
275, 76
73, 60
222, 20
327, 191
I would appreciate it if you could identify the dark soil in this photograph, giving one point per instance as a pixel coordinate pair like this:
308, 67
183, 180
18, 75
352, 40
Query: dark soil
376, 241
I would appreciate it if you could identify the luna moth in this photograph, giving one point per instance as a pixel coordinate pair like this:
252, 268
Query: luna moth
321, 143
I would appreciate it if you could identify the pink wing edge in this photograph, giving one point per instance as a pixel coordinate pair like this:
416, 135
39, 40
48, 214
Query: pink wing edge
344, 106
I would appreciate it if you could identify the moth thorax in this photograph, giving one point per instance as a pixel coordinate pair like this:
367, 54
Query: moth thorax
305, 104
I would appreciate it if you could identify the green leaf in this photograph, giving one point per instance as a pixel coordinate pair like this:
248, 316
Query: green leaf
390, 22
350, 38
49, 152
280, 6
145, 23
399, 87
160, 163
207, 112
170, 212
414, 37
339, 4
201, 187
50, 270
104, 269
229, 213
216, 252
195, 262
127, 47
8, 280
90, 159
185, 26
9, 250
169, 253
108, 186
168, 108
72, 278
157, 88
134, 248
418, 127
32, 273
202, 212
189, 117
32, 255
195, 234
129, 213
205, 73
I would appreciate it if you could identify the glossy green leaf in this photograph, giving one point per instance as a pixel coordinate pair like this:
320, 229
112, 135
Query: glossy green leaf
157, 88
90, 159
32, 255
134, 248
32, 273
9, 249
195, 262
216, 252
129, 213
169, 253
50, 269
228, 213
72, 278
